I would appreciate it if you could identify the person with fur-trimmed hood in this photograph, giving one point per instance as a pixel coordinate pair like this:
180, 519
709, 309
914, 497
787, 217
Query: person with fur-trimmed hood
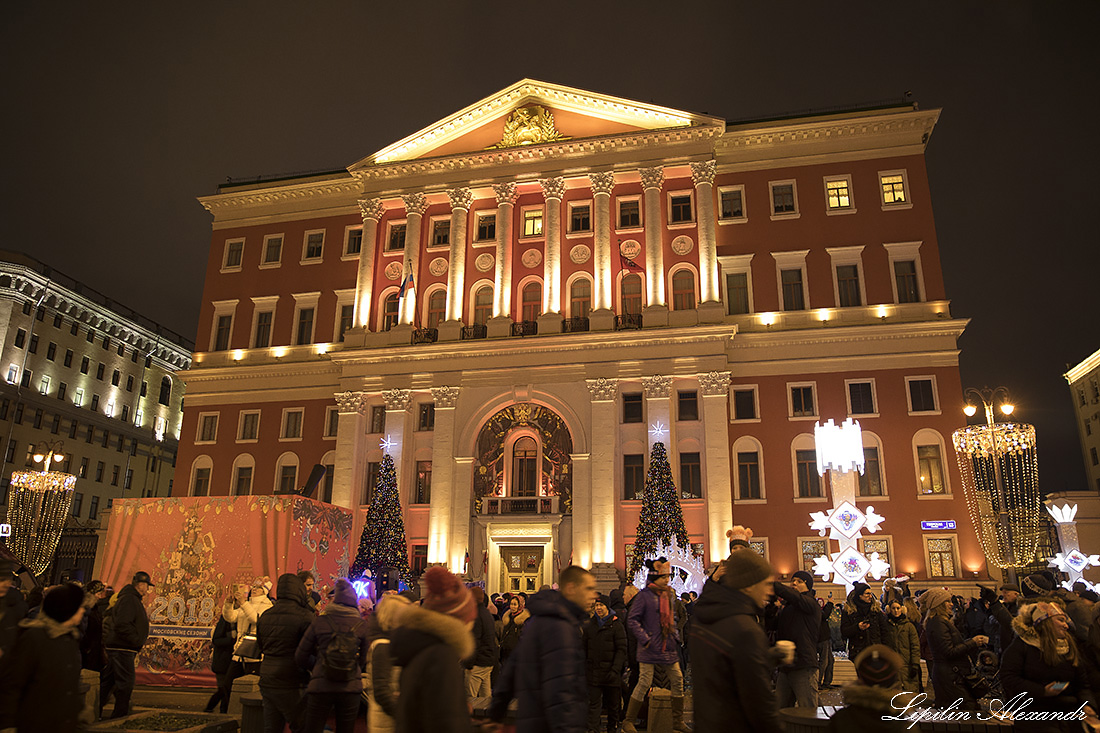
652, 620
903, 639
511, 627
429, 645
383, 679
872, 697
862, 621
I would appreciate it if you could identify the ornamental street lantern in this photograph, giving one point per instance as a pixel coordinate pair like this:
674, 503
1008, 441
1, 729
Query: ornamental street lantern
37, 509
1000, 474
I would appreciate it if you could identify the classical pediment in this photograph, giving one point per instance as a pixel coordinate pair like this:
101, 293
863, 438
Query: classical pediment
534, 113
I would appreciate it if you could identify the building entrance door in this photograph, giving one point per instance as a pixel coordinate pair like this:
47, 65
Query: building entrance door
522, 569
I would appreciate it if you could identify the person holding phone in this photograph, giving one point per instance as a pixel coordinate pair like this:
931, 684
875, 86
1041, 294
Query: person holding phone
1045, 664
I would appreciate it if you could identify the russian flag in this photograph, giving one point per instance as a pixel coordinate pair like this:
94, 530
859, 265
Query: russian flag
406, 284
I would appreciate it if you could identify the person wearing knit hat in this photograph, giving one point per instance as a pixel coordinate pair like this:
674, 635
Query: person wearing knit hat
446, 594
868, 700
337, 641
862, 622
1037, 585
40, 688
479, 666
732, 664
799, 622
948, 652
605, 654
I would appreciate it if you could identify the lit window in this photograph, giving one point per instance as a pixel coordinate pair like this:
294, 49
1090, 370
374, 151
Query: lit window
44, 386
532, 223
838, 194
78, 397
930, 466
893, 189
941, 558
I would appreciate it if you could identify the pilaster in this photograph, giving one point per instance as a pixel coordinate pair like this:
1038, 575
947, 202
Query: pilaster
714, 387
351, 454
553, 190
582, 510
396, 431
364, 282
441, 510
415, 206
602, 186
604, 393
702, 175
658, 412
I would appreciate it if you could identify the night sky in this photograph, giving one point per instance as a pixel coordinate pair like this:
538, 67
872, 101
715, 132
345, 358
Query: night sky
117, 116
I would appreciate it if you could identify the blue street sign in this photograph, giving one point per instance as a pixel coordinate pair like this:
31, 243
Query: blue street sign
939, 524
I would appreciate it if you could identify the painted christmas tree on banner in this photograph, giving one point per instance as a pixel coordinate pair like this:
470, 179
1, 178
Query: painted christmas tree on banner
661, 519
382, 544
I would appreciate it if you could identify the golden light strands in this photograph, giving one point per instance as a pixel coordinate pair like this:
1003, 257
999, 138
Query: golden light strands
37, 509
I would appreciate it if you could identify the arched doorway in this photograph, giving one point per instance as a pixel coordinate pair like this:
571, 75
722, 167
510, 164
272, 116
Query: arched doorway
523, 451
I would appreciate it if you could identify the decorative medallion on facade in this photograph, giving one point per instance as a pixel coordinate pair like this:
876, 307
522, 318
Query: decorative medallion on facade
445, 397
652, 177
484, 262
580, 254
603, 389
529, 125
371, 209
351, 402
461, 198
602, 182
415, 203
438, 266
715, 383
506, 193
531, 258
630, 249
703, 172
553, 188
683, 244
522, 412
656, 386
393, 270
397, 399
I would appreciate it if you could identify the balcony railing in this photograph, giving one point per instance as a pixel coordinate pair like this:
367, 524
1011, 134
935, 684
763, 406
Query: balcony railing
520, 505
425, 335
525, 328
628, 322
476, 331
576, 324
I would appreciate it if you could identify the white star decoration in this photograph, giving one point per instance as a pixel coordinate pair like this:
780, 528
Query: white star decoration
658, 430
385, 444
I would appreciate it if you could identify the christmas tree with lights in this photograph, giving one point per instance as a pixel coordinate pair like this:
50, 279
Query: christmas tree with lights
661, 519
382, 544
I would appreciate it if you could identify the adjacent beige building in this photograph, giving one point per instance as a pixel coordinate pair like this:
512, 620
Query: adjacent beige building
1084, 384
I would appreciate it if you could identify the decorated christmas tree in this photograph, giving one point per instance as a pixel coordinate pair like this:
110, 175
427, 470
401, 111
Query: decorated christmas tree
661, 518
382, 544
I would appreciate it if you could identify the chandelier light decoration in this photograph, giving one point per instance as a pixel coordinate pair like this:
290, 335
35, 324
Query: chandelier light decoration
37, 509
1071, 560
840, 452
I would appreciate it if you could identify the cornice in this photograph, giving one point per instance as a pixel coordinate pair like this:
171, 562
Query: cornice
282, 193
951, 328
1085, 368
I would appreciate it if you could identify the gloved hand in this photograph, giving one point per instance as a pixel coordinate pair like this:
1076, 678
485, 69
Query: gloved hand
987, 594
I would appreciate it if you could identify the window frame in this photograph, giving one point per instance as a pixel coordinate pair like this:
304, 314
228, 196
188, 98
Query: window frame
880, 536
908, 193
344, 298
848, 396
798, 549
641, 404
480, 214
306, 259
846, 257
304, 301
702, 478
685, 223
928, 554
433, 224
223, 308
623, 467
723, 220
283, 424
673, 273
772, 185
755, 389
240, 426
805, 443
621, 228
904, 252
570, 232
935, 395
226, 267
523, 236
925, 437
348, 231
200, 428
876, 444
790, 401
680, 393
386, 248
739, 446
328, 433
792, 260
839, 210
266, 264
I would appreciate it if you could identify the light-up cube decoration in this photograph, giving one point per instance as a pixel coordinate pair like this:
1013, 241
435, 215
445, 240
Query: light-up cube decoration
840, 450
1071, 560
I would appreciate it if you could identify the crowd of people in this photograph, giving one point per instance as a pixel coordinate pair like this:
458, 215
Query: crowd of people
570, 659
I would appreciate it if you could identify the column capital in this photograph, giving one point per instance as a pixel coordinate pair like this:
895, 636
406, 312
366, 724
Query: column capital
553, 188
371, 208
703, 172
506, 193
349, 403
656, 386
461, 198
652, 177
603, 389
415, 203
397, 399
445, 397
602, 182
715, 383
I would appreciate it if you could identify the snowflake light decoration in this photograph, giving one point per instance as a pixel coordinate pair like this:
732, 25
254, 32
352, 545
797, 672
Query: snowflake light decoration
688, 573
1074, 561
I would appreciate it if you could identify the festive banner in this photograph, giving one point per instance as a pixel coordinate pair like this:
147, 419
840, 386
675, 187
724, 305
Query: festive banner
198, 549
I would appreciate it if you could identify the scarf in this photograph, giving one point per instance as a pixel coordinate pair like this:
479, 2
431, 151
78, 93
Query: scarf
664, 606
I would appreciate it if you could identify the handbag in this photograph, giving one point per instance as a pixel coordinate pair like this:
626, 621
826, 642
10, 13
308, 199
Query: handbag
248, 647
974, 683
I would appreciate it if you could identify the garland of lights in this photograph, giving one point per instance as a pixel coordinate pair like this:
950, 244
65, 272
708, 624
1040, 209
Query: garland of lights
1004, 452
1073, 561
37, 510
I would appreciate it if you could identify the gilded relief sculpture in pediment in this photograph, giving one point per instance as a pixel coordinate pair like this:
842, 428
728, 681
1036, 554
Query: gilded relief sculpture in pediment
528, 126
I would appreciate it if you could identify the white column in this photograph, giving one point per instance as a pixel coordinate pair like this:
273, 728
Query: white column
440, 513
553, 190
461, 198
415, 205
702, 175
364, 283
715, 389
602, 185
602, 461
582, 510
351, 454
502, 286
463, 483
396, 431
652, 181
658, 414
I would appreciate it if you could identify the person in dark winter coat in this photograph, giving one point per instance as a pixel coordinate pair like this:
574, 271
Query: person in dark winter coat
799, 621
430, 645
382, 680
40, 676
511, 627
874, 696
480, 665
340, 617
279, 630
948, 652
13, 608
1044, 663
125, 631
652, 622
92, 654
547, 671
604, 659
862, 622
225, 636
732, 664
902, 638
825, 647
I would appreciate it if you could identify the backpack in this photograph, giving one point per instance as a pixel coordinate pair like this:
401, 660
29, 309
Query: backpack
340, 659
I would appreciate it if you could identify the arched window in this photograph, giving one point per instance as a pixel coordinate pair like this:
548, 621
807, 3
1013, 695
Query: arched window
165, 391
580, 297
531, 301
244, 468
286, 473
525, 472
631, 299
683, 290
437, 308
201, 470
390, 307
748, 457
483, 305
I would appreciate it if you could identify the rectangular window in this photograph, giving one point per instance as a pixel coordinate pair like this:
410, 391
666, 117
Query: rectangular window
61, 389
78, 503
679, 209
809, 483
354, 245
84, 365
691, 476
802, 401
630, 213
332, 422
121, 349
68, 357
78, 399
51, 351
13, 373
208, 428
532, 223
288, 479
861, 398
37, 420
580, 218
115, 474
731, 203
116, 377
744, 404
486, 227
314, 245
426, 420
74, 329
441, 233
687, 405
90, 435
422, 494
881, 545
931, 470
263, 329
870, 481
793, 294
273, 250
847, 284
941, 557
326, 483
91, 336
838, 194
26, 380
347, 314
57, 320
242, 483
129, 382
200, 486
748, 475
905, 276
632, 408
129, 480
292, 424
100, 466
44, 385
20, 338
377, 420
305, 326
4, 404
33, 347
1093, 455
82, 472
633, 476
95, 402
783, 198
374, 469
106, 438
893, 189
100, 371
922, 395
55, 426
233, 255
396, 240
106, 343
222, 331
